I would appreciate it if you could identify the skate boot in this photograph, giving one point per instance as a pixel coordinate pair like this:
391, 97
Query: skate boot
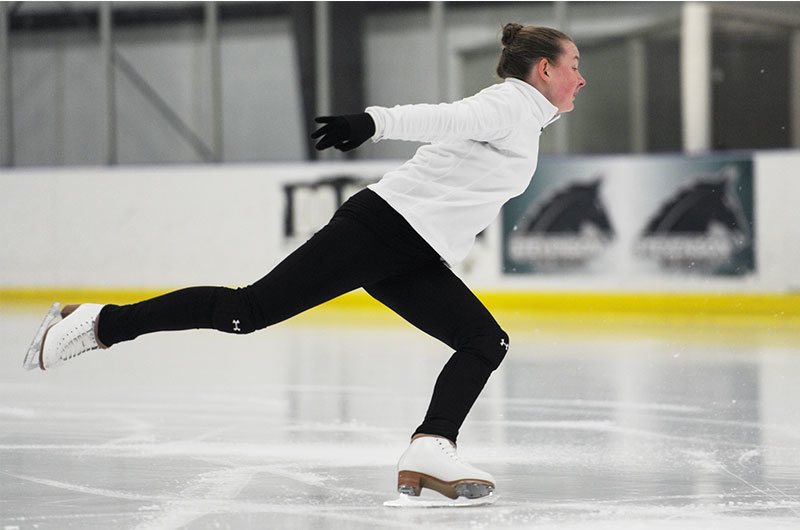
75, 334
431, 462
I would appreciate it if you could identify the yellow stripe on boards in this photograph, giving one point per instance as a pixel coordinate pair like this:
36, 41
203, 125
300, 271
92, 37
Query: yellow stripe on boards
748, 320
777, 306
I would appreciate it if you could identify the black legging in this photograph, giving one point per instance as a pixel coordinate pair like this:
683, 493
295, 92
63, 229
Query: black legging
366, 244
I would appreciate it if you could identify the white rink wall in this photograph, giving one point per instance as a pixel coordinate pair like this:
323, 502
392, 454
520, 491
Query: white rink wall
173, 226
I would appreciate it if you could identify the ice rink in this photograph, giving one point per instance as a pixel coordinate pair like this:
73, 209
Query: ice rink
589, 424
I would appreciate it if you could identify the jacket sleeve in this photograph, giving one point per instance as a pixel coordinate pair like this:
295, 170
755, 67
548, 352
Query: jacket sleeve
486, 116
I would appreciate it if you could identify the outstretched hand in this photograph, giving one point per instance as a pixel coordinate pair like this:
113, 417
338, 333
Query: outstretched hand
345, 132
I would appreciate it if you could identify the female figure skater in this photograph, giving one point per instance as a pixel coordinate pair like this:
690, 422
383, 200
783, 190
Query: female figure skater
397, 239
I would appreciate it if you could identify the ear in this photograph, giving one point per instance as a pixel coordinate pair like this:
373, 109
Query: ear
542, 70
539, 76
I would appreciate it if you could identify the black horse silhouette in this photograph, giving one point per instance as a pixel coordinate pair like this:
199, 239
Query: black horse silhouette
695, 208
699, 227
566, 228
569, 210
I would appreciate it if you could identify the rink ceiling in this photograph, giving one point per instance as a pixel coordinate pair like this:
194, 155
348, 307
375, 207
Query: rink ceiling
591, 422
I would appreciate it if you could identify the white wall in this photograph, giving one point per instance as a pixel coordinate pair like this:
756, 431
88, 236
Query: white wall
137, 226
171, 226
778, 218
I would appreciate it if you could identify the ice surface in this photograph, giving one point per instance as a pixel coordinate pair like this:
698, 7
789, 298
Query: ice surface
300, 426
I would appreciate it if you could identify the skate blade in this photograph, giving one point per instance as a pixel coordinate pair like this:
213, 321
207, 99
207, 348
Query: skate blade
407, 501
31, 361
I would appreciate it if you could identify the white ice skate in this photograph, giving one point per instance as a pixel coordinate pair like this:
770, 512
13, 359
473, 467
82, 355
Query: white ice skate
431, 462
75, 334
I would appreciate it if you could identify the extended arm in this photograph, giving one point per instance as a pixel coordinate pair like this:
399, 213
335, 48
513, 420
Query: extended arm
483, 117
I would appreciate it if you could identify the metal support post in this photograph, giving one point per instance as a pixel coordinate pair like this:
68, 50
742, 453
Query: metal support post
6, 96
794, 88
322, 40
215, 71
107, 54
696, 77
323, 66
638, 116
439, 35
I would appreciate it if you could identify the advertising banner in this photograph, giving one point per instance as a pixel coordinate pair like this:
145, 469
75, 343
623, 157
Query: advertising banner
657, 215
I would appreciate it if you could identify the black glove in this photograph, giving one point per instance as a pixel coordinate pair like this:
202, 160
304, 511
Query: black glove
344, 132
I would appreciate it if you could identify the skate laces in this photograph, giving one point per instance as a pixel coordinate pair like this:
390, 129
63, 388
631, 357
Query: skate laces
448, 449
77, 340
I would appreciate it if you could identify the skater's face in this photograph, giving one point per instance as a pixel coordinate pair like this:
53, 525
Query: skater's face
559, 82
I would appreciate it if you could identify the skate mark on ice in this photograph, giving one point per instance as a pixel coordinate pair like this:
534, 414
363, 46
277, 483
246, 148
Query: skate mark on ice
708, 462
606, 426
308, 478
72, 519
206, 495
215, 492
583, 404
769, 495
102, 492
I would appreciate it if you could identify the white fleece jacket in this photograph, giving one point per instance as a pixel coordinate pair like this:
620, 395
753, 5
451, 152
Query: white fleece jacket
482, 151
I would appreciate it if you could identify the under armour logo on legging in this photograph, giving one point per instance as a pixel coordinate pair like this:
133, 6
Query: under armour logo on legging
236, 325
504, 344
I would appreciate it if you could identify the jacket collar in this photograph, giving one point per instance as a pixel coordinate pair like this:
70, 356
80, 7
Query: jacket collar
546, 110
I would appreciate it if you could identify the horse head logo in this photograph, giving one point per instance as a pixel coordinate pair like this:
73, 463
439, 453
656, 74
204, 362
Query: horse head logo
566, 228
699, 227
